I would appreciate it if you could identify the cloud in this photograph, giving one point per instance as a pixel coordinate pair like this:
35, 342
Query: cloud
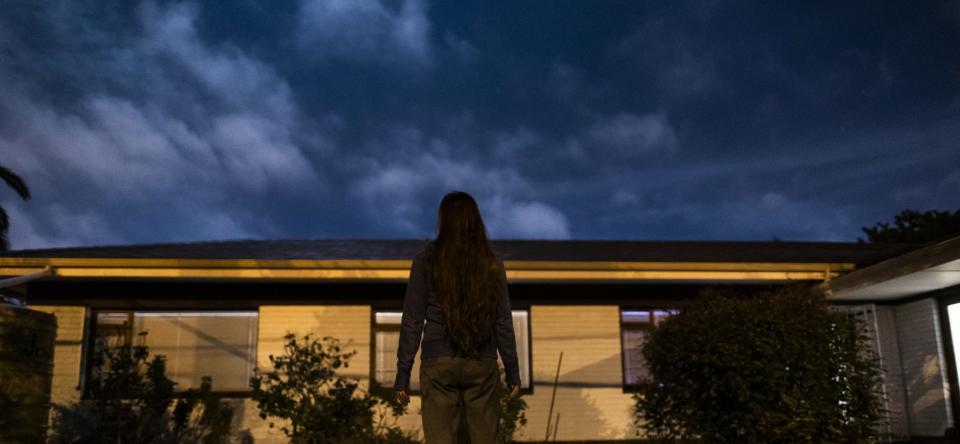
680, 62
205, 125
53, 225
630, 135
511, 219
365, 31
402, 184
758, 216
463, 49
624, 198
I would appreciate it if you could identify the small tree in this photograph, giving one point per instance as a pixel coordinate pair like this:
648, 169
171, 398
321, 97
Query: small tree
321, 406
131, 399
914, 226
775, 367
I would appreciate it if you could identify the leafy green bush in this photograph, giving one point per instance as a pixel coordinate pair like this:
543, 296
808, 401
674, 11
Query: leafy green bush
130, 401
320, 406
776, 367
512, 415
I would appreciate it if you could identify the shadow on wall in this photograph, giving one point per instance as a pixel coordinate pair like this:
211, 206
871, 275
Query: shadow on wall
928, 410
589, 404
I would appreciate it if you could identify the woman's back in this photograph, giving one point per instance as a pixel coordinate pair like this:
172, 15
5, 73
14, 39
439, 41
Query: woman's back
422, 309
457, 308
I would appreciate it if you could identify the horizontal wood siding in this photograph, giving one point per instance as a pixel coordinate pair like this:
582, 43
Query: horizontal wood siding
590, 398
68, 351
348, 323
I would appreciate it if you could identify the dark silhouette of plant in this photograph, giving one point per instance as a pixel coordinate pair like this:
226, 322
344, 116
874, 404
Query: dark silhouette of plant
775, 367
512, 415
20, 187
129, 401
911, 226
317, 404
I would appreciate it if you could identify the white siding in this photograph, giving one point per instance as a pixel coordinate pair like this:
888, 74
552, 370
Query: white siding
923, 364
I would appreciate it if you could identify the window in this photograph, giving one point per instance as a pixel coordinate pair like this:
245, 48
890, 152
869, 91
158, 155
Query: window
386, 330
219, 344
634, 327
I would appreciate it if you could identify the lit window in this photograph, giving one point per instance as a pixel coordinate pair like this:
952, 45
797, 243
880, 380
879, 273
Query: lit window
387, 336
220, 344
635, 325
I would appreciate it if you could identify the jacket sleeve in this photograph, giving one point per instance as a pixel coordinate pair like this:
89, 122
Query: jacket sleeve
411, 323
506, 339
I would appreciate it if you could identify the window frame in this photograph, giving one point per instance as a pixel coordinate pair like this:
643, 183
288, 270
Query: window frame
375, 328
646, 327
90, 346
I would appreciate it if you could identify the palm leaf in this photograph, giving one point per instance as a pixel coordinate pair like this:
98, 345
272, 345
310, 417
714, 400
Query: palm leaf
15, 182
4, 225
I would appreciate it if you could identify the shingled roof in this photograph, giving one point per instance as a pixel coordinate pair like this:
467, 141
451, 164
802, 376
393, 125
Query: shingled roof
517, 250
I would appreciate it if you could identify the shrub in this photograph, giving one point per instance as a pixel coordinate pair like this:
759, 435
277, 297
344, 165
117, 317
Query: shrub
775, 367
319, 405
130, 402
512, 415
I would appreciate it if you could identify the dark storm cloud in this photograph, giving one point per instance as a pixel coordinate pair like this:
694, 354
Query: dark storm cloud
171, 121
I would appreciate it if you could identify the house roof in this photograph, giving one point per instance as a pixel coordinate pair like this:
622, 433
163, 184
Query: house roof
927, 269
370, 260
509, 250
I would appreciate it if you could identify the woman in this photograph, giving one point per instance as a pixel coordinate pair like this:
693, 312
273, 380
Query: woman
457, 301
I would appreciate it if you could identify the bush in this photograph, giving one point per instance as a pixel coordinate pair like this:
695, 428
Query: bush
319, 405
130, 402
512, 415
775, 367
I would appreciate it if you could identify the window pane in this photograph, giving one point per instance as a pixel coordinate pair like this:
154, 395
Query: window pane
661, 315
635, 317
385, 367
386, 341
388, 317
634, 366
953, 315
113, 330
521, 322
221, 345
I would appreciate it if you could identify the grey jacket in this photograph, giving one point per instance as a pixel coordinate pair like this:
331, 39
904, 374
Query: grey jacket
423, 319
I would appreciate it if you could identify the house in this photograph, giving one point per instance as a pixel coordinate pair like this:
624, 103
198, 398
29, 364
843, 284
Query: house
221, 308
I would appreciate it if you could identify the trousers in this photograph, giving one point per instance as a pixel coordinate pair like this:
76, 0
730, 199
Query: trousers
452, 388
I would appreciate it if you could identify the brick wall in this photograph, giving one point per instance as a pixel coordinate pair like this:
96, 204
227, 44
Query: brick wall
68, 351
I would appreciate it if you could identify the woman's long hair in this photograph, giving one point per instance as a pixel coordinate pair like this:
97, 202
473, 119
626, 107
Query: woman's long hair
465, 272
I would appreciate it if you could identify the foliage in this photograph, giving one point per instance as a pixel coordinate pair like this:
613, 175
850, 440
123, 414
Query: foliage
20, 187
780, 366
914, 226
319, 405
512, 415
130, 402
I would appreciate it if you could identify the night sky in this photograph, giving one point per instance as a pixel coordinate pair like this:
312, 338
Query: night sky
138, 122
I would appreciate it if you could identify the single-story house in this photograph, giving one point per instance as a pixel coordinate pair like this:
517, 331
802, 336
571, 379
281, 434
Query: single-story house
221, 308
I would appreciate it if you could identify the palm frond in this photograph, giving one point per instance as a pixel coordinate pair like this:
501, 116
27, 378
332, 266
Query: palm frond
4, 225
15, 182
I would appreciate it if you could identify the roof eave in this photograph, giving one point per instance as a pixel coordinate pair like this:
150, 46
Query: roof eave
398, 270
928, 269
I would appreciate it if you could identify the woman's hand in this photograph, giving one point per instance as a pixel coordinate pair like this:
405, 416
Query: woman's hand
402, 397
514, 391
